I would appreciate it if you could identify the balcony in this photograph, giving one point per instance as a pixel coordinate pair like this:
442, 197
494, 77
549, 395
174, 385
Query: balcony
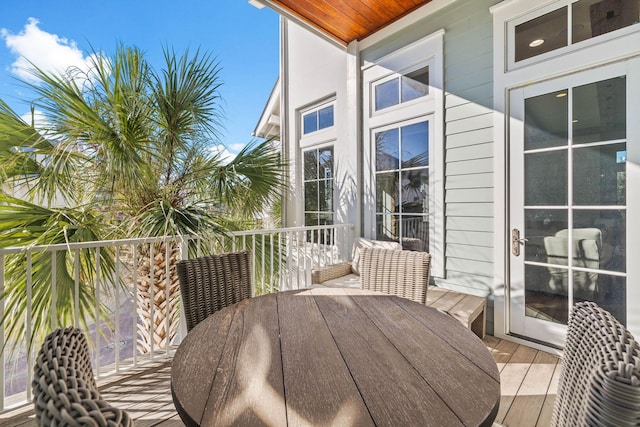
133, 365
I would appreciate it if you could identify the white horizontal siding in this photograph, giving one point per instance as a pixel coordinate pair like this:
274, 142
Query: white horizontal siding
476, 180
476, 253
464, 223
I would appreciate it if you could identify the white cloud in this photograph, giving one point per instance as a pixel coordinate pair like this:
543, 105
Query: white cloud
47, 51
38, 119
225, 155
236, 147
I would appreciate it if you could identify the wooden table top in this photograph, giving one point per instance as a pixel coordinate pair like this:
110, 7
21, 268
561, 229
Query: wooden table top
334, 357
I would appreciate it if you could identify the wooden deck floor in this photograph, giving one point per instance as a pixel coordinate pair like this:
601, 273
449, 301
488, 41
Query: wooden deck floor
528, 386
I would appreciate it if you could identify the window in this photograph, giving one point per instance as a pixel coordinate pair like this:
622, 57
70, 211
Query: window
402, 89
317, 119
318, 186
402, 184
575, 22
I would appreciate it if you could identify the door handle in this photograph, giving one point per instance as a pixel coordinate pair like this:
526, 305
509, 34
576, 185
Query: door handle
516, 241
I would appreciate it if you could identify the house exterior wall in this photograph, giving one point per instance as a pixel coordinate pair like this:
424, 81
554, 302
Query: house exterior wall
316, 69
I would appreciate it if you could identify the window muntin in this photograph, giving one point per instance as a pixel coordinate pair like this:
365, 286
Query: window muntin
559, 28
318, 186
400, 89
320, 118
402, 183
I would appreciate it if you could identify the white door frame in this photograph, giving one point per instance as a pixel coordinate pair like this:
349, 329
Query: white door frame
608, 49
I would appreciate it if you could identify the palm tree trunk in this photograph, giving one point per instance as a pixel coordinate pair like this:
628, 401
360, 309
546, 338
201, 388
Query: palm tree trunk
153, 297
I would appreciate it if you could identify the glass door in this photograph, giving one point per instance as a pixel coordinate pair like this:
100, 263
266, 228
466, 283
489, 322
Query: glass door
568, 200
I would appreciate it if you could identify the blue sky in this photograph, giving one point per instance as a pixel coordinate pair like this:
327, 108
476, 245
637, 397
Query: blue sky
242, 38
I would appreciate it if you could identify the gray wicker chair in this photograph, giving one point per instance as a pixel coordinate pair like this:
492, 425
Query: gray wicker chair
64, 389
396, 272
211, 283
599, 381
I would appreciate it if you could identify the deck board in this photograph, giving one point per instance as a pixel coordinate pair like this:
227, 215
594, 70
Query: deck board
528, 386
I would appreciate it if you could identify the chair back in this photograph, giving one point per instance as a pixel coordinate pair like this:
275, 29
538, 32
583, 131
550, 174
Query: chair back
599, 381
396, 272
64, 388
211, 283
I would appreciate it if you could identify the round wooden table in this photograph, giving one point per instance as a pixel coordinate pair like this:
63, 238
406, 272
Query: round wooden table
333, 357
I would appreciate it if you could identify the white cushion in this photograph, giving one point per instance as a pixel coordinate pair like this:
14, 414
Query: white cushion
360, 243
348, 281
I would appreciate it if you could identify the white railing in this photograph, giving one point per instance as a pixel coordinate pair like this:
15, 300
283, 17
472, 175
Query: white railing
282, 260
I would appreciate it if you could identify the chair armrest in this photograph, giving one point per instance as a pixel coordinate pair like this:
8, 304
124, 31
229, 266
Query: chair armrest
333, 271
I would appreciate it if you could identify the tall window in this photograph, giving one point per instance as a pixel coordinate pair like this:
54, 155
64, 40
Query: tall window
318, 186
402, 184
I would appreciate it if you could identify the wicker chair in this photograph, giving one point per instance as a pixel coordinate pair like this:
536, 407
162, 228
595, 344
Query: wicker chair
347, 274
211, 283
401, 273
600, 374
64, 389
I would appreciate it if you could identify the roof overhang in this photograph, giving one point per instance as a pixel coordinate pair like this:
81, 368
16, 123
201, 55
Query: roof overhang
344, 21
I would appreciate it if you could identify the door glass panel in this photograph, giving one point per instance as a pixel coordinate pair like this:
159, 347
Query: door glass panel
599, 175
546, 295
540, 224
600, 111
610, 293
546, 121
545, 178
592, 18
608, 228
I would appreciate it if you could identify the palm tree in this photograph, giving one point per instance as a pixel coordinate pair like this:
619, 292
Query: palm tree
131, 147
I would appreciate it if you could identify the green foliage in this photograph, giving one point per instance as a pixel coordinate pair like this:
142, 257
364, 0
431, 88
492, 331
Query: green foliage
122, 141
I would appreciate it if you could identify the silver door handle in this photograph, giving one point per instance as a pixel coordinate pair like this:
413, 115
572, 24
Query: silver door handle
516, 241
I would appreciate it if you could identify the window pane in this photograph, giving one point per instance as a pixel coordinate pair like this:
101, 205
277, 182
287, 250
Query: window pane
599, 175
546, 120
545, 178
542, 34
311, 219
387, 94
415, 232
325, 219
310, 122
326, 164
545, 293
415, 145
326, 195
387, 156
310, 196
415, 85
387, 192
592, 18
387, 227
415, 191
600, 111
325, 117
310, 165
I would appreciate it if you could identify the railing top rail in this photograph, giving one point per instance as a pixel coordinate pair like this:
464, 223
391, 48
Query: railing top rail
144, 240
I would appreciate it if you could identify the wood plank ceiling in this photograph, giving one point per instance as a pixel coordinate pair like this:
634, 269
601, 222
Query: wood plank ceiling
348, 20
